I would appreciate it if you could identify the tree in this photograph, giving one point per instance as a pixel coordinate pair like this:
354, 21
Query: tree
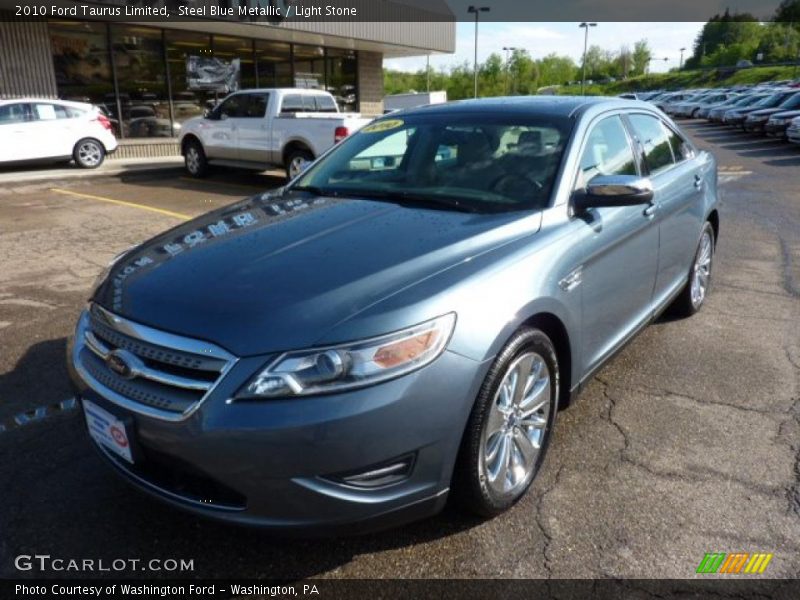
788, 12
641, 57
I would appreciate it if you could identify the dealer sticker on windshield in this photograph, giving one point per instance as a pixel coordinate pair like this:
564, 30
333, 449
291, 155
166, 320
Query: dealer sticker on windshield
383, 126
107, 430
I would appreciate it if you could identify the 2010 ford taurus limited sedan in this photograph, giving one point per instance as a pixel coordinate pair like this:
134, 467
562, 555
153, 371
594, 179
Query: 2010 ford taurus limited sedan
401, 322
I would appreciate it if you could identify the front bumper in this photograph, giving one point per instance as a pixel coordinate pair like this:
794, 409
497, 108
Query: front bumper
275, 463
754, 126
793, 135
776, 129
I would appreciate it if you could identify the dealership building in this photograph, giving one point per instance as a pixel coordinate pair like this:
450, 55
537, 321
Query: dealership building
137, 71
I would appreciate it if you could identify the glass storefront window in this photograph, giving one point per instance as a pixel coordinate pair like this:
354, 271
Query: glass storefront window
165, 77
309, 67
187, 100
81, 62
141, 81
228, 49
274, 64
342, 78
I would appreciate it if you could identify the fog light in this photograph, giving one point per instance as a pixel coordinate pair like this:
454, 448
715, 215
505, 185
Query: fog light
378, 475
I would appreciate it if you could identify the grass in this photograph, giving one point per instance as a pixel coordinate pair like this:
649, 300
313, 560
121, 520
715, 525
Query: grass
688, 79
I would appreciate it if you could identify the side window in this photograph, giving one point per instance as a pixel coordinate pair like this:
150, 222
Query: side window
48, 112
15, 113
608, 151
256, 106
292, 103
233, 106
654, 140
308, 104
325, 104
681, 149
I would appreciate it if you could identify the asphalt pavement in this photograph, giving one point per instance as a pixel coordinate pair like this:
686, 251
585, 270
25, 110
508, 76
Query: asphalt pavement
688, 442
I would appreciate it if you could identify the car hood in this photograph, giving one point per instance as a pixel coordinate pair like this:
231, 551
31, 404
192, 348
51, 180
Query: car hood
787, 114
764, 112
277, 271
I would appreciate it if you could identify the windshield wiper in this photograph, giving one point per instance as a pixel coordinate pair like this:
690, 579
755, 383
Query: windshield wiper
313, 189
411, 198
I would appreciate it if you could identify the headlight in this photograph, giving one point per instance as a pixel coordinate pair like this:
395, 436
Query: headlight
104, 273
353, 365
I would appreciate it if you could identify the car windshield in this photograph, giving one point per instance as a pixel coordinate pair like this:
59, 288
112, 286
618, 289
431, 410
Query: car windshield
475, 162
791, 102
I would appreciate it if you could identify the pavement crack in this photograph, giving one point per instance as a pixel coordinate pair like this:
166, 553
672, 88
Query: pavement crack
548, 537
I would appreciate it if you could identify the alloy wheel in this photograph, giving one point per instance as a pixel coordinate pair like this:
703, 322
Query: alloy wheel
90, 153
517, 424
701, 270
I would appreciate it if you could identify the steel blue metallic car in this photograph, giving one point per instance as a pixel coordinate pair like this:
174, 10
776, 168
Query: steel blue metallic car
401, 322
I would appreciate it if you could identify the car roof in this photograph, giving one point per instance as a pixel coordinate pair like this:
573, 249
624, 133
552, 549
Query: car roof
83, 105
556, 106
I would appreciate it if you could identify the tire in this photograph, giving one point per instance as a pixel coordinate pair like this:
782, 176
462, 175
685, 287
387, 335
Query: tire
89, 153
296, 161
496, 427
698, 281
194, 159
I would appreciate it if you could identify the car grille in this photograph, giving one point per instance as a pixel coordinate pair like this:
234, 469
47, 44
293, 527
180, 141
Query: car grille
162, 375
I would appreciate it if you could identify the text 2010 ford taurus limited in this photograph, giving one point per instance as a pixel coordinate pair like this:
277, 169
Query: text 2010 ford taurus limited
401, 322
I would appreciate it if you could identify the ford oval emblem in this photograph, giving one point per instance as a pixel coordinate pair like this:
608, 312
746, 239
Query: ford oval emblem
119, 361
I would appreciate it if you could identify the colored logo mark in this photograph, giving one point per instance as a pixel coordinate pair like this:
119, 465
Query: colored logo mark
735, 563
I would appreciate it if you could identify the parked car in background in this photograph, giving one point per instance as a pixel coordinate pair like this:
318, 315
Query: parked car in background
347, 351
263, 128
757, 120
41, 130
716, 114
793, 131
736, 117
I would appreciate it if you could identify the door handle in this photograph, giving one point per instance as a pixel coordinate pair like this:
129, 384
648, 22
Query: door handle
698, 180
650, 211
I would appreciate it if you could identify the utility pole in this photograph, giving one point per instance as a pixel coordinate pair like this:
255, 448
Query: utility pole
428, 74
585, 48
507, 50
477, 10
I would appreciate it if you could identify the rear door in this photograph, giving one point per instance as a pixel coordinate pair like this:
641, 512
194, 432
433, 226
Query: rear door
678, 179
55, 129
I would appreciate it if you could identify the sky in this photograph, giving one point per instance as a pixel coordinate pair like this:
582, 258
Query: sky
540, 39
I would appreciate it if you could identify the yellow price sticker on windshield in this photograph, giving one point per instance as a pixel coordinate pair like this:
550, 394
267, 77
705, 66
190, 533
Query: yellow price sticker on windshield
383, 126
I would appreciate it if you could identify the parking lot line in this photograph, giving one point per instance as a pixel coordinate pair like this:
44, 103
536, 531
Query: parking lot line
169, 213
235, 184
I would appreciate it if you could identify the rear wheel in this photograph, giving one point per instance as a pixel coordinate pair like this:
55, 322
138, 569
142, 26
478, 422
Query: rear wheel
89, 153
297, 161
510, 426
698, 283
194, 159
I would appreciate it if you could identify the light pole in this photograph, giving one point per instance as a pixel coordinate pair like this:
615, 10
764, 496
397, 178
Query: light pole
507, 50
680, 66
477, 10
585, 48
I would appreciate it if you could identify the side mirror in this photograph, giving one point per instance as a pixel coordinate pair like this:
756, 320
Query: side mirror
614, 190
207, 114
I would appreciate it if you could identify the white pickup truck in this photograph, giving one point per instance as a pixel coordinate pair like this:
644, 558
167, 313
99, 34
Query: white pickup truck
263, 128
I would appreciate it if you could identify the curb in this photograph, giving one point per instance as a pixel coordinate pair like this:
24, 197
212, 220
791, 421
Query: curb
110, 169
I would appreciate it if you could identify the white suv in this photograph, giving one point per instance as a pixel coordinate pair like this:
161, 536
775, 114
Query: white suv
43, 130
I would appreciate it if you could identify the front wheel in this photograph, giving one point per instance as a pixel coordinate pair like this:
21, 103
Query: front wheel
89, 153
194, 159
510, 426
698, 283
